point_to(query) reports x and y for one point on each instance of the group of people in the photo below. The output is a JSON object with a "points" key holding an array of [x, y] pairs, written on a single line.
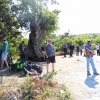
{"points": [[88, 52], [71, 48], [50, 54], [5, 50]]}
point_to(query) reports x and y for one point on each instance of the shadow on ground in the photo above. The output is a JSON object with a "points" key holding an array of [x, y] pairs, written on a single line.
{"points": [[5, 71], [91, 82]]}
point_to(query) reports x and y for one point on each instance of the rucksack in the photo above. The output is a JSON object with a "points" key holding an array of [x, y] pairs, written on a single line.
{"points": [[42, 59], [30, 65], [38, 68], [16, 67]]}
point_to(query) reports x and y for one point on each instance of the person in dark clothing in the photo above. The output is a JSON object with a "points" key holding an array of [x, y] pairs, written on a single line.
{"points": [[43, 49], [65, 49], [71, 47], [81, 51], [97, 49], [22, 49], [77, 50]]}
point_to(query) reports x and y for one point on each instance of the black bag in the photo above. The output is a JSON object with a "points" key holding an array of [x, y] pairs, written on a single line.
{"points": [[42, 59], [30, 65], [13, 67], [16, 67], [38, 68]]}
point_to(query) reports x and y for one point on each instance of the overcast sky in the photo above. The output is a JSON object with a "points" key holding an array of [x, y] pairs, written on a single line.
{"points": [[80, 16]]}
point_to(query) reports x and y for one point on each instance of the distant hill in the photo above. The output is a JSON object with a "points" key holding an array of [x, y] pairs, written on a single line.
{"points": [[88, 34]]}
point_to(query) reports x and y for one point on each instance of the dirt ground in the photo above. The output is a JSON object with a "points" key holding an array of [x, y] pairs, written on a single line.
{"points": [[70, 71]]}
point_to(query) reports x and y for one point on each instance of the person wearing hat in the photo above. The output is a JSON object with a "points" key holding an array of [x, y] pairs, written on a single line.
{"points": [[89, 57], [4, 53]]}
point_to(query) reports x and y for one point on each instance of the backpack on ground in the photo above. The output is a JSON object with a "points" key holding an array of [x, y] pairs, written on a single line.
{"points": [[30, 65], [18, 66], [42, 59]]}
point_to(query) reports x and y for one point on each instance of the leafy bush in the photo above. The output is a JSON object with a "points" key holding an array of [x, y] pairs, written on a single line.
{"points": [[59, 40]]}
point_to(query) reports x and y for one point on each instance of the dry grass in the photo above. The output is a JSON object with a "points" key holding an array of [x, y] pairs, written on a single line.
{"points": [[44, 89], [59, 53]]}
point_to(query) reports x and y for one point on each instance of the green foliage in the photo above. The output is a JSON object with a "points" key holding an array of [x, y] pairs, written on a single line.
{"points": [[58, 41], [9, 27], [14, 44], [49, 75], [26, 90], [8, 23], [36, 11], [18, 14], [64, 94]]}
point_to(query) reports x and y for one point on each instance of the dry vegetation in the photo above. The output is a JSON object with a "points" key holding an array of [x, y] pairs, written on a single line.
{"points": [[34, 88]]}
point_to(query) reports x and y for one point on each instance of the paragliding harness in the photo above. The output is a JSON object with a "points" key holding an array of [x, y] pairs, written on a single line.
{"points": [[88, 52], [30, 65], [16, 67]]}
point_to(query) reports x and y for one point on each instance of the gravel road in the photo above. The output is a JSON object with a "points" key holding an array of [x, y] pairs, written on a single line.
{"points": [[72, 73]]}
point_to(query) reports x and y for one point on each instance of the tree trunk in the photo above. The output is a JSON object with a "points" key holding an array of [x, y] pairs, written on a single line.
{"points": [[33, 49]]}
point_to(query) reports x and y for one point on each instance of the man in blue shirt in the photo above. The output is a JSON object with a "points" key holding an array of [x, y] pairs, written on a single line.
{"points": [[4, 53], [50, 54], [65, 49], [89, 58]]}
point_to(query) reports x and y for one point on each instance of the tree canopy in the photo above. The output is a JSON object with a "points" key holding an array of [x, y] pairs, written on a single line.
{"points": [[32, 12], [60, 40], [8, 23]]}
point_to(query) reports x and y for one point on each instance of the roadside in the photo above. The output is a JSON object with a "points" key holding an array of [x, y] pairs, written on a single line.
{"points": [[70, 71]]}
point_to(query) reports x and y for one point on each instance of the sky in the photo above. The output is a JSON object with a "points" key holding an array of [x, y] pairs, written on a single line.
{"points": [[78, 16]]}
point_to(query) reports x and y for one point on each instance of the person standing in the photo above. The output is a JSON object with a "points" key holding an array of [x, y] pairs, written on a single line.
{"points": [[50, 54], [97, 49], [4, 53], [22, 49], [89, 58], [71, 47], [65, 49], [81, 51], [77, 50], [84, 48]]}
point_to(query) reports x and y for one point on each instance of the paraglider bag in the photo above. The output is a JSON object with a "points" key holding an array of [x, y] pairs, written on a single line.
{"points": [[88, 52], [36, 67], [15, 67]]}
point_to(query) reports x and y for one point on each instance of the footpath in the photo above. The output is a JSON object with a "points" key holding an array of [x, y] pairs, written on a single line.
{"points": [[72, 73]]}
